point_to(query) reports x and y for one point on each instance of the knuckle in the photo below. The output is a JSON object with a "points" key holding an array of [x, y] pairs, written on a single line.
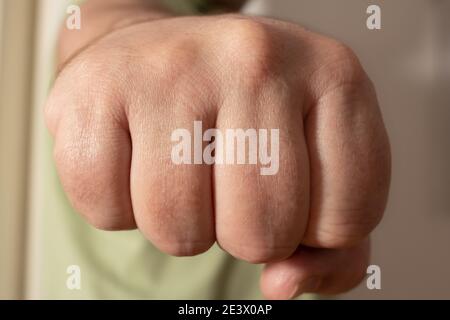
{"points": [[346, 58], [86, 82], [249, 49], [91, 77], [243, 32], [180, 68], [339, 66]]}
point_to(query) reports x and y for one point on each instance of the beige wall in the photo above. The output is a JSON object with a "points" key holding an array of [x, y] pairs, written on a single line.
{"points": [[28, 30], [409, 62], [49, 15], [17, 21]]}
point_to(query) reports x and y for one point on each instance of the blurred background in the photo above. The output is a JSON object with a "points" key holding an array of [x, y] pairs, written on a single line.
{"points": [[408, 60]]}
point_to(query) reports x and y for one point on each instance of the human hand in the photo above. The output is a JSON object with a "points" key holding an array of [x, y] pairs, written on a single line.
{"points": [[115, 105]]}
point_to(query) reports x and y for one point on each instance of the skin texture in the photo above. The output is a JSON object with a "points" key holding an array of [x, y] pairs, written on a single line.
{"points": [[117, 100]]}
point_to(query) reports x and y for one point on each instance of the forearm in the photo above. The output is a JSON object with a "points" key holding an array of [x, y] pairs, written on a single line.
{"points": [[99, 17]]}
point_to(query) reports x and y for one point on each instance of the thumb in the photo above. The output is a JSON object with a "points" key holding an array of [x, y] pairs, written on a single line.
{"points": [[312, 270]]}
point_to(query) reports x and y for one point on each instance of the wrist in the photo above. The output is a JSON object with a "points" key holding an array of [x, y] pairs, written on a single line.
{"points": [[100, 18]]}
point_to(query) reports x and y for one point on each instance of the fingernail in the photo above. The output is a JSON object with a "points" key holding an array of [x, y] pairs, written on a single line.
{"points": [[306, 286]]}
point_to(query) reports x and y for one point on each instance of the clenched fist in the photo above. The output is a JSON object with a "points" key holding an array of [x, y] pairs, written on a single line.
{"points": [[116, 103]]}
